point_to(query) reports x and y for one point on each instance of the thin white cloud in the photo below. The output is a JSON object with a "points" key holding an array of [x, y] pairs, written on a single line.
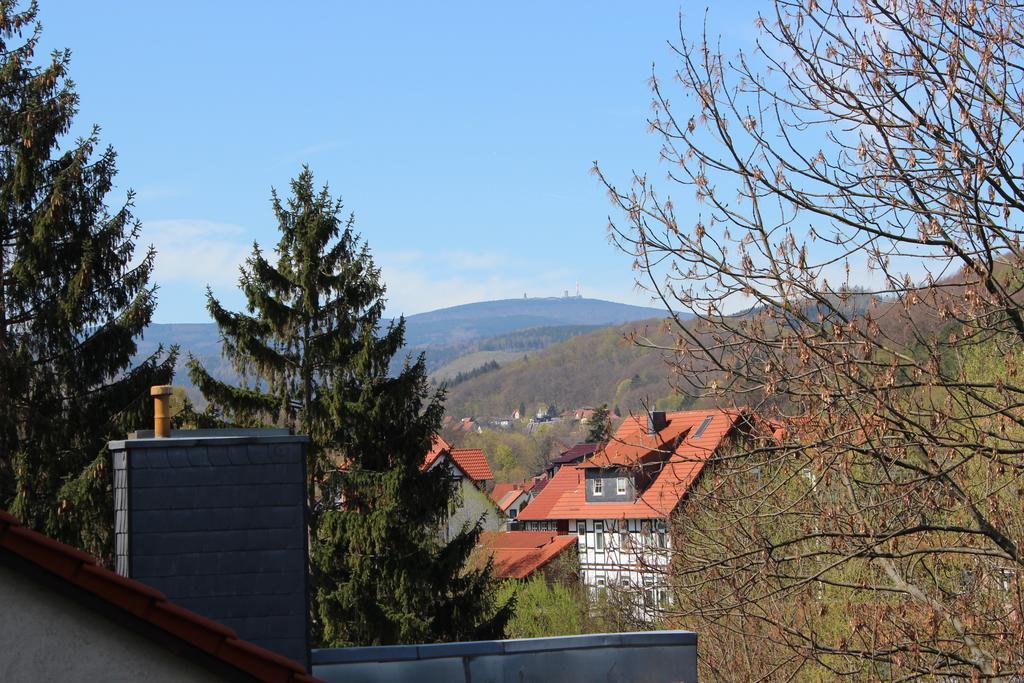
{"points": [[196, 251]]}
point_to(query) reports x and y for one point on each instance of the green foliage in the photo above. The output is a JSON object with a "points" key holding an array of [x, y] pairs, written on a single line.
{"points": [[615, 609], [534, 338], [446, 353], [673, 402], [73, 300], [475, 372], [513, 456], [317, 354], [600, 425], [506, 467], [542, 609]]}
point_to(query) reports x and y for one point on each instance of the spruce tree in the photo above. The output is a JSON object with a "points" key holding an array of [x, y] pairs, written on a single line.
{"points": [[600, 425], [315, 349], [72, 302]]}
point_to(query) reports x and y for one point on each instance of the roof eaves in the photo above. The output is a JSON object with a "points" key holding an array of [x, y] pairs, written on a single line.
{"points": [[72, 566]]}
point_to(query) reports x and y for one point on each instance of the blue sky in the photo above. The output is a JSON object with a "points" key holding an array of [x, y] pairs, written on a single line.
{"points": [[461, 134]]}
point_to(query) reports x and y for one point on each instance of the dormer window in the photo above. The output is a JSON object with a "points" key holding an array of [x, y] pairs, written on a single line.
{"points": [[599, 487]]}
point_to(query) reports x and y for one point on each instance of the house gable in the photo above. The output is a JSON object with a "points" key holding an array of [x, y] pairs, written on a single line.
{"points": [[669, 457]]}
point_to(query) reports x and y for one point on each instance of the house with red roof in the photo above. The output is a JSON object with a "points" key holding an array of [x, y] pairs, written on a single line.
{"points": [[511, 498], [572, 456], [474, 478], [521, 554], [618, 502]]}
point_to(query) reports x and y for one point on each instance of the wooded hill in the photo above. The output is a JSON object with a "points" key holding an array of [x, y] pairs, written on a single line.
{"points": [[586, 370], [607, 366]]}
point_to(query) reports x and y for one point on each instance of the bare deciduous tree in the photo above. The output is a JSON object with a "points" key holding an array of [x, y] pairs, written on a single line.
{"points": [[854, 272]]}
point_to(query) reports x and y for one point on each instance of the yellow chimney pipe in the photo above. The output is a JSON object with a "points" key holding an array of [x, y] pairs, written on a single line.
{"points": [[161, 410]]}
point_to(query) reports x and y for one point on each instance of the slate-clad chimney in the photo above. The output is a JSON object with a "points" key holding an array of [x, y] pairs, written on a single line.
{"points": [[216, 520], [656, 422]]}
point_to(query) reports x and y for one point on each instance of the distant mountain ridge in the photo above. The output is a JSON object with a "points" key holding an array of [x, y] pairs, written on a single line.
{"points": [[442, 335], [467, 322]]}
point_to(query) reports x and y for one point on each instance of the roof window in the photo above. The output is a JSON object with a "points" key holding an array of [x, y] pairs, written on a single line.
{"points": [[703, 426]]}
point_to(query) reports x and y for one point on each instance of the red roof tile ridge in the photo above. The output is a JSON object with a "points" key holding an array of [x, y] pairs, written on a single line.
{"points": [[565, 497], [472, 461], [506, 501], [438, 447], [500, 490], [517, 561], [83, 571]]}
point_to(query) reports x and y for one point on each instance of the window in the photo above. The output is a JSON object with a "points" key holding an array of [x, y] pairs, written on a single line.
{"points": [[581, 529], [703, 426], [624, 534], [599, 580], [513, 513], [662, 535], [650, 593], [620, 486], [599, 536], [599, 487]]}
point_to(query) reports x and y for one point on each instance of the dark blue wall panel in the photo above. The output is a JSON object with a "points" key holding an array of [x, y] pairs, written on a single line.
{"points": [[218, 524]]}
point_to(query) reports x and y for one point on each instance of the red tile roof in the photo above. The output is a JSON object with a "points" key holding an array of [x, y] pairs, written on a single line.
{"points": [[510, 498], [502, 489], [632, 444], [517, 554], [576, 453], [141, 601], [565, 497], [509, 491], [437, 447], [473, 462]]}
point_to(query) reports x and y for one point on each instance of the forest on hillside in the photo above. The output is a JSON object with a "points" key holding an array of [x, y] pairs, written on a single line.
{"points": [[604, 366]]}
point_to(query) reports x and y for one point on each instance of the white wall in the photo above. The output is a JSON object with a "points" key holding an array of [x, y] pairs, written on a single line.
{"points": [[472, 503], [634, 557], [46, 636]]}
